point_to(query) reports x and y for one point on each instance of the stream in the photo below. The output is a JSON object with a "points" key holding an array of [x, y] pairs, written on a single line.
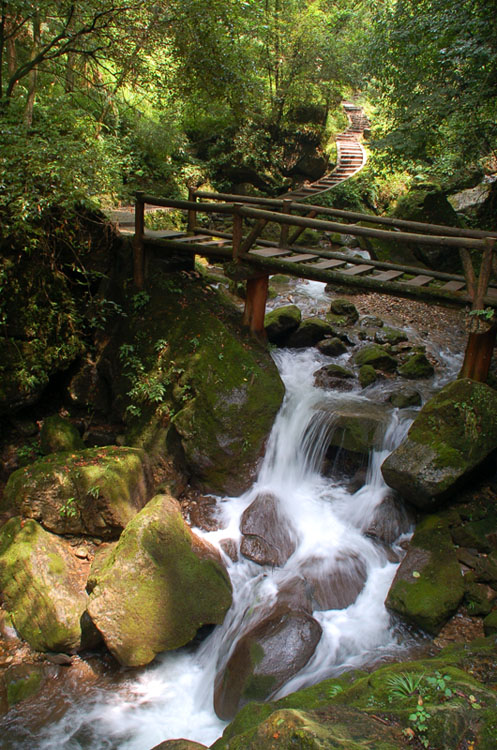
{"points": [[173, 697]]}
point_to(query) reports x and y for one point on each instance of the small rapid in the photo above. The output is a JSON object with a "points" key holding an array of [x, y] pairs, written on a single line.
{"points": [[330, 526]]}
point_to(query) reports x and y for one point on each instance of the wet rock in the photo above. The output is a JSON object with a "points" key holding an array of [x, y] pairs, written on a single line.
{"points": [[204, 513], [490, 623], [335, 584], [58, 434], [428, 586], [309, 333], [479, 599], [416, 367], [42, 589], [95, 491], [376, 356], [334, 377], [452, 434], [405, 397], [332, 347], [391, 336], [230, 548], [367, 375], [160, 584], [370, 321], [22, 681], [354, 427], [264, 659], [391, 519], [268, 536], [281, 322]]}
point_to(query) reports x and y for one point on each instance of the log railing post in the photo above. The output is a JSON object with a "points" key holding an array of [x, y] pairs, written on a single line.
{"points": [[192, 214], [481, 343], [237, 231], [138, 242], [284, 228]]}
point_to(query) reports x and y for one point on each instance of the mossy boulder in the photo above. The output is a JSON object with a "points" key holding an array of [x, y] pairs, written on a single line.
{"points": [[376, 356], [309, 332], [334, 377], [268, 538], [355, 427], [158, 586], [452, 434], [367, 375], [490, 623], [180, 745], [281, 322], [96, 491], [428, 586], [42, 589], [58, 434], [416, 366], [192, 384], [388, 335], [403, 398], [343, 312], [332, 347]]}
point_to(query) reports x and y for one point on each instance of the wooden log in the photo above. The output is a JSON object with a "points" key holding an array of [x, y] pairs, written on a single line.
{"points": [[192, 214], [469, 273], [478, 355], [252, 237], [358, 231], [255, 306], [237, 231], [299, 230], [138, 245]]}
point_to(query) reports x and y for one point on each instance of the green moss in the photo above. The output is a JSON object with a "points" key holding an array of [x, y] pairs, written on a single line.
{"points": [[416, 366], [58, 434], [23, 688], [367, 375], [376, 356]]}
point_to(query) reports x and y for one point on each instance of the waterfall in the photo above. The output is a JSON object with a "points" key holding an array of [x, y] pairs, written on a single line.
{"points": [[174, 697]]}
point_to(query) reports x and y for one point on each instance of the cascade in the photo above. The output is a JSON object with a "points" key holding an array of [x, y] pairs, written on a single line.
{"points": [[327, 521]]}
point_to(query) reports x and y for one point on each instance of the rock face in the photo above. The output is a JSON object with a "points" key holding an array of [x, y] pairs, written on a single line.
{"points": [[280, 323], [451, 435], [428, 586], [158, 586], [58, 434], [335, 584], [42, 589], [264, 659], [268, 538], [96, 491], [192, 384]]}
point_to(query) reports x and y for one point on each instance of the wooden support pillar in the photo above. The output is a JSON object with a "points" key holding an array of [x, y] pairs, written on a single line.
{"points": [[255, 306], [138, 242], [285, 228], [237, 231], [192, 214], [481, 343]]}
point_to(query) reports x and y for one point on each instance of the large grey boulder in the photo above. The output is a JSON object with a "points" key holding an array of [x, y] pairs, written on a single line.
{"points": [[453, 433], [281, 322], [158, 586], [268, 537]]}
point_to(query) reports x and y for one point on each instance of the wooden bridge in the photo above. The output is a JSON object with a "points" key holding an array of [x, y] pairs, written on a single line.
{"points": [[247, 255]]}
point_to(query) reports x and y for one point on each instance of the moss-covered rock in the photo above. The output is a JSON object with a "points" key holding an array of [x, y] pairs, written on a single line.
{"points": [[453, 433], [391, 336], [376, 356], [58, 434], [179, 745], [344, 309], [403, 398], [367, 375], [416, 366], [309, 332], [42, 588], [490, 623], [191, 383], [96, 491], [355, 427], [281, 322], [22, 682], [332, 347], [428, 586], [158, 586], [334, 377]]}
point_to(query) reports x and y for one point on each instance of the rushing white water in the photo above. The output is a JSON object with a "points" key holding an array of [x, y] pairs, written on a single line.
{"points": [[174, 697]]}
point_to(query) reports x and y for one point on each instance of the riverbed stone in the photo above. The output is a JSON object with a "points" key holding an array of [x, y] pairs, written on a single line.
{"points": [[376, 356], [416, 367], [403, 398], [334, 377], [281, 322], [309, 333], [428, 586], [357, 427], [452, 434], [389, 335], [160, 584], [42, 588], [59, 434], [337, 583], [332, 347], [264, 659], [96, 491], [367, 375], [343, 312], [268, 536]]}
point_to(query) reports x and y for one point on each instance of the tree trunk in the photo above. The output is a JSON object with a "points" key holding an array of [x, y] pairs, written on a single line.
{"points": [[33, 74]]}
